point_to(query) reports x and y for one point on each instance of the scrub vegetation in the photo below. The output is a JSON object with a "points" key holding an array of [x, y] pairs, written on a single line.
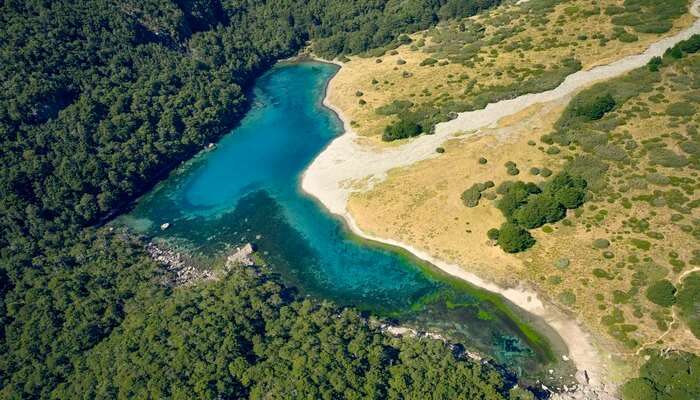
{"points": [[627, 260], [465, 64]]}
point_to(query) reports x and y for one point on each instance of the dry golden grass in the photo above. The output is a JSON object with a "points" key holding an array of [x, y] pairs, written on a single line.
{"points": [[421, 206], [428, 84]]}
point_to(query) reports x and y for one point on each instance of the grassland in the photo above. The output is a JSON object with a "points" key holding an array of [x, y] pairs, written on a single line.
{"points": [[609, 263], [514, 49]]}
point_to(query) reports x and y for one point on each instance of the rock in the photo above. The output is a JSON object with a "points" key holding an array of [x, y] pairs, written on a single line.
{"points": [[243, 255], [165, 226], [582, 377], [565, 358]]}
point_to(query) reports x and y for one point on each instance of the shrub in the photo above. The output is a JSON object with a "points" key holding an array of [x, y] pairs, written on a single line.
{"points": [[688, 301], [361, 102], [546, 172], [655, 63], [482, 160], [400, 130], [534, 171], [567, 298], [601, 243], [471, 196], [513, 198], [400, 61], [440, 150], [395, 107], [493, 234], [667, 158], [681, 109], [595, 108], [539, 210], [359, 94], [428, 61], [662, 293], [514, 239], [570, 197]]}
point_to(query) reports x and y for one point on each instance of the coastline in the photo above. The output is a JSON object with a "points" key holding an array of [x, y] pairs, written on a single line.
{"points": [[328, 180], [581, 346]]}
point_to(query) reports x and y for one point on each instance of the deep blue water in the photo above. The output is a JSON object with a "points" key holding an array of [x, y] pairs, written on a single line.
{"points": [[247, 190]]}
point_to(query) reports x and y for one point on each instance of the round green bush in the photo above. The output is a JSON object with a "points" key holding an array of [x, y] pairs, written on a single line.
{"points": [[482, 160], [440, 150], [493, 234], [534, 171], [359, 94], [545, 172]]}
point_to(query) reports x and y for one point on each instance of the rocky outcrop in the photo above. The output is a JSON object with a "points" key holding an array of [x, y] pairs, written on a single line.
{"points": [[182, 271]]}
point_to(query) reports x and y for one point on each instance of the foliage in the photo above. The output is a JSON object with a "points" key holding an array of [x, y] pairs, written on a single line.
{"points": [[688, 302], [662, 293], [530, 206], [274, 347], [102, 98], [400, 130], [471, 196], [594, 108], [539, 210], [666, 376], [513, 238]]}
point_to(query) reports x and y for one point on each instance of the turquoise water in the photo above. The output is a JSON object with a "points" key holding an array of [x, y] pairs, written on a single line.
{"points": [[247, 190]]}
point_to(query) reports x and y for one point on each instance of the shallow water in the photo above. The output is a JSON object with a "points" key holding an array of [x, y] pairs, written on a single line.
{"points": [[247, 190]]}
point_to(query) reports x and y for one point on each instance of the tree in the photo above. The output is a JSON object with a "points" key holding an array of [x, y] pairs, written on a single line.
{"points": [[662, 293], [539, 210], [401, 130], [513, 238]]}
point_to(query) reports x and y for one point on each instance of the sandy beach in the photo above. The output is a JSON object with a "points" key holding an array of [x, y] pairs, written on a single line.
{"points": [[346, 166]]}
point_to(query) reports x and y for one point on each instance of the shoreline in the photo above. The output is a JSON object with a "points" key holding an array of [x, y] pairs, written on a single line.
{"points": [[580, 344], [326, 180]]}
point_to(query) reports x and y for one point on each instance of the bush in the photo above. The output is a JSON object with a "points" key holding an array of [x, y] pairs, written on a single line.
{"points": [[570, 197], [400, 61], [681, 109], [596, 108], [662, 293], [667, 158], [400, 130], [471, 196], [545, 172], [359, 94], [482, 160], [601, 243], [539, 210], [655, 64], [567, 298], [440, 150], [688, 301], [514, 239], [513, 198], [428, 61], [493, 234]]}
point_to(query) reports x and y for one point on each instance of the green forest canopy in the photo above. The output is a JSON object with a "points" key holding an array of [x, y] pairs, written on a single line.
{"points": [[101, 98]]}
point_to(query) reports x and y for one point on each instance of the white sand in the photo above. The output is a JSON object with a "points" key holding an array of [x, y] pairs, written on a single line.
{"points": [[329, 178]]}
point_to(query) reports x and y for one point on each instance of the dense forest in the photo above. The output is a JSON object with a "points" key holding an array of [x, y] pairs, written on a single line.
{"points": [[101, 98]]}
